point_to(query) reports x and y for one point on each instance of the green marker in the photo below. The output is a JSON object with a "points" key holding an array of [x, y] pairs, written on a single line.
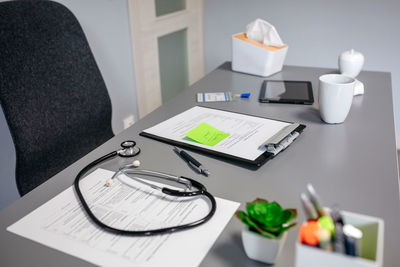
{"points": [[327, 223]]}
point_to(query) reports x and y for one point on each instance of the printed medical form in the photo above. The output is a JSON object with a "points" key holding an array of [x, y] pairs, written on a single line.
{"points": [[61, 224]]}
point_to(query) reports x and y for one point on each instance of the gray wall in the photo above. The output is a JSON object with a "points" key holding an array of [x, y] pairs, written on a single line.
{"points": [[316, 32], [106, 25]]}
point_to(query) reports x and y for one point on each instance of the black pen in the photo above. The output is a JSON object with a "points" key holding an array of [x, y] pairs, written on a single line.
{"points": [[192, 161]]}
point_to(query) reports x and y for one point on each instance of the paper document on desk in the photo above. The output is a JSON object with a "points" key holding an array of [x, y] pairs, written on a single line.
{"points": [[245, 134], [62, 224]]}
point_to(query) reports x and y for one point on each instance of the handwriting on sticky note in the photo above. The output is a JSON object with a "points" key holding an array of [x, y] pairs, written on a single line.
{"points": [[206, 134]]}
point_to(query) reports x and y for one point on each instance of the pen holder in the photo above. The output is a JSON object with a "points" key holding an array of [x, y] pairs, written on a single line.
{"points": [[371, 246], [251, 57]]}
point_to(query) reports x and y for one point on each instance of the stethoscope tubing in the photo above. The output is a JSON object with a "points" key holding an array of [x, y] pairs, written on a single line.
{"points": [[202, 191]]}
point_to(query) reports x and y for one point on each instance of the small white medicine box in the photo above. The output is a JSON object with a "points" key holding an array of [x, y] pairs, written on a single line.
{"points": [[251, 57], [371, 246]]}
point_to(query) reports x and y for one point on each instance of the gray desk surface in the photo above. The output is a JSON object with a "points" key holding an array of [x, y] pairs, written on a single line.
{"points": [[352, 164]]}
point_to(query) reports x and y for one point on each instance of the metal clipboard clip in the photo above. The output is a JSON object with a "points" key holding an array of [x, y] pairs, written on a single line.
{"points": [[282, 139]]}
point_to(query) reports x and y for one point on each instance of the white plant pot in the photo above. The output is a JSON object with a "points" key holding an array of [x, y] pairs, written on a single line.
{"points": [[261, 248]]}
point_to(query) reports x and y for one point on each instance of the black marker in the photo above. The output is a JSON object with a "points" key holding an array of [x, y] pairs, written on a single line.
{"points": [[192, 161], [339, 240]]}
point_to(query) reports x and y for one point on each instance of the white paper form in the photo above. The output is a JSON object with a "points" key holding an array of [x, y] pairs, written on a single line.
{"points": [[247, 133], [62, 224]]}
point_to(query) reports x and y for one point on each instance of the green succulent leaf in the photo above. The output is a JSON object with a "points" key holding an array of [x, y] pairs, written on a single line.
{"points": [[288, 215], [274, 214], [273, 229], [266, 234], [264, 213], [247, 221], [260, 200], [268, 219]]}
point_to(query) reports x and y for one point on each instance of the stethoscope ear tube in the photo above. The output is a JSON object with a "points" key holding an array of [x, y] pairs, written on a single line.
{"points": [[200, 192]]}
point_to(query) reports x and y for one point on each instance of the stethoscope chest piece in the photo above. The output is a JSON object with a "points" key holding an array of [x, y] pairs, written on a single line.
{"points": [[129, 149]]}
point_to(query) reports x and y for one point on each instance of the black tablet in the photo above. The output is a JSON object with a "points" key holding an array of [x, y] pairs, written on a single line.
{"points": [[292, 92]]}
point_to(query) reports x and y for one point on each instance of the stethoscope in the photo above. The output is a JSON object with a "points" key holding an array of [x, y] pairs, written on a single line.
{"points": [[129, 149]]}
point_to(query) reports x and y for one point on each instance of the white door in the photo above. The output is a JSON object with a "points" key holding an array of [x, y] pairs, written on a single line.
{"points": [[167, 48]]}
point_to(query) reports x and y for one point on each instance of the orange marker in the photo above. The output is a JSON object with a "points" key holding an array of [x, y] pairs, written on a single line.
{"points": [[309, 233]]}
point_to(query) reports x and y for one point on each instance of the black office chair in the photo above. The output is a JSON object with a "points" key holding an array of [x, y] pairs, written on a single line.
{"points": [[52, 93]]}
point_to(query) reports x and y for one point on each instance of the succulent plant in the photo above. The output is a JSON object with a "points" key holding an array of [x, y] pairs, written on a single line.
{"points": [[267, 219]]}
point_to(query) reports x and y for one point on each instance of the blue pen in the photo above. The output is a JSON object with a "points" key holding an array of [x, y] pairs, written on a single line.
{"points": [[244, 95]]}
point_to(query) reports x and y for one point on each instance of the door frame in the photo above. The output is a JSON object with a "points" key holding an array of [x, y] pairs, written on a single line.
{"points": [[146, 28]]}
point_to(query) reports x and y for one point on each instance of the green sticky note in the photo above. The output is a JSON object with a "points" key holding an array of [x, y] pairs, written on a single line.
{"points": [[206, 134]]}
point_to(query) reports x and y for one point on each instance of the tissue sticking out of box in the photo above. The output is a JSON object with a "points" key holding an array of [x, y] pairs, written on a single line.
{"points": [[263, 32]]}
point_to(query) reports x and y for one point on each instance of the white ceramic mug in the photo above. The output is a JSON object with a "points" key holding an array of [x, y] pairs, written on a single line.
{"points": [[335, 97]]}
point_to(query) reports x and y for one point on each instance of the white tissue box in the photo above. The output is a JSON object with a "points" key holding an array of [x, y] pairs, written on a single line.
{"points": [[251, 57], [371, 246]]}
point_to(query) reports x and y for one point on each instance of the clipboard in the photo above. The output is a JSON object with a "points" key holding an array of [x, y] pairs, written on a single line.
{"points": [[250, 146]]}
